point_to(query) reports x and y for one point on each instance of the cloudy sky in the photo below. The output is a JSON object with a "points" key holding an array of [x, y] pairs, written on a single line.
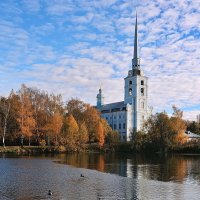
{"points": [[71, 47]]}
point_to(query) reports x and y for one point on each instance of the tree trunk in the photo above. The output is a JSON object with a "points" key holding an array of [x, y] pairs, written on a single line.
{"points": [[4, 129]]}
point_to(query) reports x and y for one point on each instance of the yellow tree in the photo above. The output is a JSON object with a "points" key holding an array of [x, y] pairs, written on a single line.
{"points": [[91, 119], [83, 134], [55, 125], [100, 135], [71, 133], [25, 112], [178, 125]]}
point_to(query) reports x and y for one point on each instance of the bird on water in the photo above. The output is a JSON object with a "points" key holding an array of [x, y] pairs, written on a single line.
{"points": [[81, 175], [50, 193]]}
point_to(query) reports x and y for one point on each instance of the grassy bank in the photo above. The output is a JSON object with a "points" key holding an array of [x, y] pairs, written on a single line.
{"points": [[31, 149], [49, 149], [119, 148]]}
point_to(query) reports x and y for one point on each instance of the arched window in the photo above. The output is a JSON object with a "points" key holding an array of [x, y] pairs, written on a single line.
{"points": [[130, 91], [142, 91], [130, 82], [142, 82]]}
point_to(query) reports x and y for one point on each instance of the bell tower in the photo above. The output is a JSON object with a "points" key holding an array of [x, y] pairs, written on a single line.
{"points": [[135, 91], [100, 99]]}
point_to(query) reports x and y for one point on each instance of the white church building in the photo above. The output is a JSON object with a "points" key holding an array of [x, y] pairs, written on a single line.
{"points": [[128, 115]]}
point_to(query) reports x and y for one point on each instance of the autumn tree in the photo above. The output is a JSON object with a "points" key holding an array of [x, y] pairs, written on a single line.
{"points": [[76, 108], [53, 108], [55, 125], [112, 137], [178, 126], [5, 106], [100, 135], [159, 130], [71, 133], [83, 134], [91, 119], [26, 120]]}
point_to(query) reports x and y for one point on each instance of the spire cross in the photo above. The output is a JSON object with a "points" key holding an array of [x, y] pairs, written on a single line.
{"points": [[135, 61]]}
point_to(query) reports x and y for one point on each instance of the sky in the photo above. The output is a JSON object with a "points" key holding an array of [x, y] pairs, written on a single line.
{"points": [[72, 47]]}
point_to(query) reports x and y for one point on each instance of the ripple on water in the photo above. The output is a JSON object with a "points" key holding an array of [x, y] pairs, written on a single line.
{"points": [[31, 179]]}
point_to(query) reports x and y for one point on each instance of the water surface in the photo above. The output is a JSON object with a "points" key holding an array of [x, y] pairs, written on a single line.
{"points": [[112, 177]]}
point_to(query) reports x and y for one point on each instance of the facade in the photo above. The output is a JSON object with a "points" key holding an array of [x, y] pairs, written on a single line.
{"points": [[128, 115]]}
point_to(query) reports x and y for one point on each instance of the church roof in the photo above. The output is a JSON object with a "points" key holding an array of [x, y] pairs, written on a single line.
{"points": [[111, 106]]}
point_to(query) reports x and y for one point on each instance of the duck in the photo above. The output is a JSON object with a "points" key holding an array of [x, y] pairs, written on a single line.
{"points": [[82, 175], [50, 193]]}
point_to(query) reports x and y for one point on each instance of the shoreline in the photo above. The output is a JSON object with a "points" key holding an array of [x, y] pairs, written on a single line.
{"points": [[19, 150]]}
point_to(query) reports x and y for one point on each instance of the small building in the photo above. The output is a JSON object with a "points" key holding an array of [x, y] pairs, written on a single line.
{"points": [[192, 136]]}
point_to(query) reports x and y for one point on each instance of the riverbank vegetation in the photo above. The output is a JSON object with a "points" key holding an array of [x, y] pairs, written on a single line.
{"points": [[35, 118], [163, 133]]}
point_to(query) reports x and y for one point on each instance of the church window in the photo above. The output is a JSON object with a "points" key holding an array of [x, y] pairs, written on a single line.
{"points": [[119, 116], [130, 82], [124, 125], [142, 82], [142, 91], [119, 126], [114, 126], [130, 91]]}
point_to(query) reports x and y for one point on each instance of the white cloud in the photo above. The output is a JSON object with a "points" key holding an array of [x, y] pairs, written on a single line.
{"points": [[83, 44]]}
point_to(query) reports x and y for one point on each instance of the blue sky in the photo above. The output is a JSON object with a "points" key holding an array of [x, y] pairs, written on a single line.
{"points": [[71, 47]]}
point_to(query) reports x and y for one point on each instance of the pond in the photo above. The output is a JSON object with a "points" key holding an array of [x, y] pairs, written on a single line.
{"points": [[110, 176]]}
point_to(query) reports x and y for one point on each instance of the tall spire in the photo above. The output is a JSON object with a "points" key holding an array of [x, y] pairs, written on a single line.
{"points": [[135, 61], [136, 40]]}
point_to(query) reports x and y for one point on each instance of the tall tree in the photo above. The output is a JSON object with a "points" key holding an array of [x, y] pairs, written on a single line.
{"points": [[26, 120], [83, 134], [178, 126], [100, 135], [91, 119], [71, 133], [5, 105]]}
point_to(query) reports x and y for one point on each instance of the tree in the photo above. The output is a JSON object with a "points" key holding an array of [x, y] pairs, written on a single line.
{"points": [[76, 108], [5, 105], [55, 125], [193, 126], [100, 135], [91, 119], [178, 126], [83, 134], [159, 130], [112, 137], [71, 133], [25, 119]]}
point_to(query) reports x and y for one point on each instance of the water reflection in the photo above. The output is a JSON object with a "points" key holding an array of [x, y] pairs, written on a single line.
{"points": [[29, 177], [176, 168]]}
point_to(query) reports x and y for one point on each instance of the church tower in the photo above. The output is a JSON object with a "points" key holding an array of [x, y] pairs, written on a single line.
{"points": [[135, 92], [100, 99]]}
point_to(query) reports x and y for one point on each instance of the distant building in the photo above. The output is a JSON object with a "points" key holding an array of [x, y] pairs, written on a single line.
{"points": [[192, 136], [198, 118], [128, 115]]}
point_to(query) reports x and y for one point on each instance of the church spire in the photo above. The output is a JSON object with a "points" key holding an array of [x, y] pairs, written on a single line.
{"points": [[136, 61]]}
